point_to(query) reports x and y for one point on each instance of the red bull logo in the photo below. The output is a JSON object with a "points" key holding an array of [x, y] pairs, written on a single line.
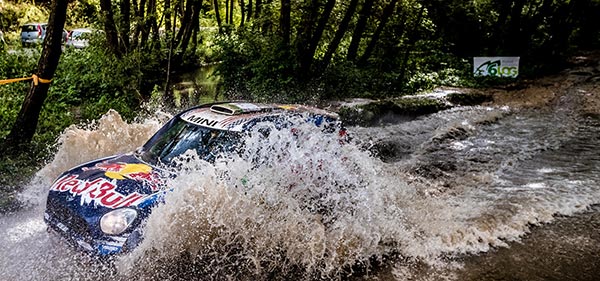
{"points": [[99, 192], [136, 171]]}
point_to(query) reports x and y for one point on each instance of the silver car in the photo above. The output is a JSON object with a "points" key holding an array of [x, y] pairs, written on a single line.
{"points": [[79, 38], [33, 33]]}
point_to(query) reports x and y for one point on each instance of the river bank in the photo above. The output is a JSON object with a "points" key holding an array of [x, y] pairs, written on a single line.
{"points": [[566, 247]]}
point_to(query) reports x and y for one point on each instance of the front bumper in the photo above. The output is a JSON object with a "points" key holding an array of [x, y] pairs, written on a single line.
{"points": [[76, 234]]}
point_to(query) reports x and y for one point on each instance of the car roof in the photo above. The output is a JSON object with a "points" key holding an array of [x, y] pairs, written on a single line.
{"points": [[82, 30], [235, 116]]}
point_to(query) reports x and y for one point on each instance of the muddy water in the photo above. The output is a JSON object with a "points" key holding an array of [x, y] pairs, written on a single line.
{"points": [[470, 193]]}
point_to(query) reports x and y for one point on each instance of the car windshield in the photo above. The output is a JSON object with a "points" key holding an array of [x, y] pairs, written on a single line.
{"points": [[180, 136], [28, 28], [80, 35]]}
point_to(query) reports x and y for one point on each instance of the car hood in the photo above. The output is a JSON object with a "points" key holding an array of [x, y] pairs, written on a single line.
{"points": [[111, 183]]}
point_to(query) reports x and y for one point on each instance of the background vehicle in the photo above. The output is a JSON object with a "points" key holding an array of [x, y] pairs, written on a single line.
{"points": [[34, 33], [99, 206], [79, 38]]}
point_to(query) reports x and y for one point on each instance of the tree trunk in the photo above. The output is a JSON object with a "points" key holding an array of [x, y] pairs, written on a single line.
{"points": [[514, 35], [339, 34], [153, 23], [185, 20], [226, 11], [231, 8], [412, 38], [110, 29], [125, 24], [243, 12], [257, 9], [134, 36], [285, 22], [387, 13], [149, 20], [167, 98], [217, 15], [365, 13], [167, 13], [139, 25], [24, 127], [305, 32], [266, 21], [189, 27], [316, 37], [249, 10], [195, 35]]}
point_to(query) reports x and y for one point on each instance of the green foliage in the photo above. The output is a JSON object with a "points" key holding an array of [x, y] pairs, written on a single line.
{"points": [[13, 15], [16, 65], [251, 74], [94, 80], [82, 13]]}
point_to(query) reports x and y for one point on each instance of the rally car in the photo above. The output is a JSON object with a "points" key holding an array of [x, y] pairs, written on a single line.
{"points": [[99, 206]]}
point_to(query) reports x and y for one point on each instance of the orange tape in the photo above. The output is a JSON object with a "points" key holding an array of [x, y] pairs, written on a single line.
{"points": [[36, 80]]}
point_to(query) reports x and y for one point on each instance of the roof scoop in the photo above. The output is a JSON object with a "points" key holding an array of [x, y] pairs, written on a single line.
{"points": [[238, 108], [225, 109]]}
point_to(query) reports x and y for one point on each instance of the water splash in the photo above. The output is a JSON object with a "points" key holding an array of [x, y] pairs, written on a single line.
{"points": [[104, 137], [31, 253], [292, 201], [468, 180]]}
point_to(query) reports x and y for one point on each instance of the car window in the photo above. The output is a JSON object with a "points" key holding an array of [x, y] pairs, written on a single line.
{"points": [[182, 136], [28, 28], [80, 35]]}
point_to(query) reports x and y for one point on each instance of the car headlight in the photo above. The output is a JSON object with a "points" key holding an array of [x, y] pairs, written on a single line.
{"points": [[115, 222]]}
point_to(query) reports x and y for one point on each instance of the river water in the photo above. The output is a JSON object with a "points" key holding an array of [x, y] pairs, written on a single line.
{"points": [[470, 193]]}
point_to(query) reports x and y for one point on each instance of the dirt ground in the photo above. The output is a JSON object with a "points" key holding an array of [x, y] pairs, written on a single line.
{"points": [[582, 80], [568, 248]]}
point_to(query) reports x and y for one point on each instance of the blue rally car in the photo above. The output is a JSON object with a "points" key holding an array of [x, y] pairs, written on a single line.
{"points": [[99, 206]]}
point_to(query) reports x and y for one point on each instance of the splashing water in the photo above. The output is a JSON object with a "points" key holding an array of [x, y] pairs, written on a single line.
{"points": [[29, 252], [289, 200], [304, 205]]}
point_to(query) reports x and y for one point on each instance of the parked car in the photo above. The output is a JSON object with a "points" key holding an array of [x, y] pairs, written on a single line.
{"points": [[79, 38], [99, 206], [34, 33]]}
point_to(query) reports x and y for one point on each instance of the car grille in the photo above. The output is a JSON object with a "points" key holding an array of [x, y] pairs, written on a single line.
{"points": [[69, 218]]}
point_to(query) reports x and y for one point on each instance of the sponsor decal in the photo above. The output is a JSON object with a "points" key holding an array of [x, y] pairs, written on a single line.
{"points": [[204, 118], [496, 66], [137, 171], [202, 121], [98, 192], [287, 107]]}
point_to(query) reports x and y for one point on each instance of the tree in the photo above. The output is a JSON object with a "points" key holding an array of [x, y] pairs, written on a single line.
{"points": [[339, 34], [24, 127], [110, 28], [316, 37], [387, 12], [285, 22], [305, 31], [217, 15], [361, 25], [125, 22]]}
